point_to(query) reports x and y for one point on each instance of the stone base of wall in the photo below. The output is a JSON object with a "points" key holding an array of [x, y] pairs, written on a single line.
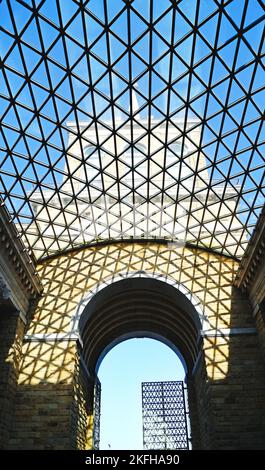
{"points": [[42, 417], [11, 333]]}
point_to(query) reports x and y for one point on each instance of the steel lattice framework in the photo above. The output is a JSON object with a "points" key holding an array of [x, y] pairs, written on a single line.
{"points": [[164, 416], [96, 414], [132, 119]]}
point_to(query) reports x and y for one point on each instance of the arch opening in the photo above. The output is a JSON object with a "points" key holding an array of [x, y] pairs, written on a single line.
{"points": [[121, 373], [138, 308]]}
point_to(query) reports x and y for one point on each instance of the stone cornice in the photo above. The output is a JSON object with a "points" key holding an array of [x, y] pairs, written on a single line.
{"points": [[253, 259], [14, 257]]}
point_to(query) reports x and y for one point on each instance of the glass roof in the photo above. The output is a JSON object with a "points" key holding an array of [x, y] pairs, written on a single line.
{"points": [[132, 120]]}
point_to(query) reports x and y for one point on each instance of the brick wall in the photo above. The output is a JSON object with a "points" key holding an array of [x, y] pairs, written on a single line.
{"points": [[44, 399], [11, 334], [226, 390]]}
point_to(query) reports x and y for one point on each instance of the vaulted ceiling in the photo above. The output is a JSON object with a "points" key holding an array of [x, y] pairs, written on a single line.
{"points": [[132, 119]]}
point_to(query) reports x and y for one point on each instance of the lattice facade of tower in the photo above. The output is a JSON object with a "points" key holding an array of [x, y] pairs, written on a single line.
{"points": [[164, 416]]}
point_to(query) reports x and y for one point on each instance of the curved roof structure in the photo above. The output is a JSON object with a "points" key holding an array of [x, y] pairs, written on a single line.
{"points": [[132, 119]]}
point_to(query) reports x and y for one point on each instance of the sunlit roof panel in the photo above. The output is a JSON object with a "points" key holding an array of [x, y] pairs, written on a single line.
{"points": [[132, 119]]}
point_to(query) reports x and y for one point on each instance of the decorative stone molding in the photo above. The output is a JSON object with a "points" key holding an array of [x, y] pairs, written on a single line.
{"points": [[19, 281], [17, 253], [253, 260]]}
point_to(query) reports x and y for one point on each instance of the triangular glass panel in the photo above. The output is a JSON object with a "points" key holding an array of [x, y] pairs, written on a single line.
{"points": [[213, 105], [215, 123], [244, 55], [56, 139], [208, 135], [255, 11], [103, 86], [162, 67], [67, 9], [40, 76], [14, 60], [6, 42], [75, 29], [235, 11], [119, 27], [64, 90], [6, 15], [182, 27], [47, 127], [100, 104], [49, 10], [208, 29], [57, 52], [198, 105], [245, 77], [178, 68], [25, 116], [73, 51], [252, 132], [4, 91], [226, 31], [40, 95], [10, 118], [21, 16], [165, 25], [219, 72], [143, 8], [201, 50], [56, 73], [230, 140], [122, 67], [93, 29], [31, 35], [114, 8], [227, 53], [175, 102], [142, 47], [259, 78], [184, 49], [97, 8], [203, 70], [139, 27], [189, 10], [161, 102], [49, 111], [243, 142], [206, 9], [81, 69], [80, 89], [118, 85], [221, 90], [259, 98], [229, 124], [235, 92], [237, 110], [159, 47], [100, 49], [196, 87], [85, 105], [138, 67], [254, 37], [34, 128]]}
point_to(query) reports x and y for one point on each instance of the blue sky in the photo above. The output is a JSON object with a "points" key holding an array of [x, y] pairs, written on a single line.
{"points": [[121, 373]]}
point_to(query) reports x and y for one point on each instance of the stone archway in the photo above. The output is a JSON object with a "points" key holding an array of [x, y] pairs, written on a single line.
{"points": [[141, 307]]}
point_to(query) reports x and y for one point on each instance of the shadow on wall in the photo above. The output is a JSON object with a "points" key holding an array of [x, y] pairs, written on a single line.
{"points": [[11, 327], [51, 409]]}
